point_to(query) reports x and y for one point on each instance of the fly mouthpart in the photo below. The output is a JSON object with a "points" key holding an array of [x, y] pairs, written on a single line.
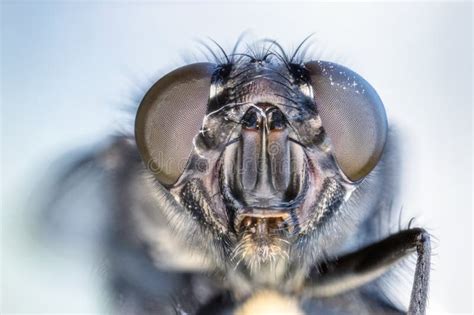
{"points": [[263, 222]]}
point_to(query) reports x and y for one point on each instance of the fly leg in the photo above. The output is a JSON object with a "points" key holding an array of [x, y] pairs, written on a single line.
{"points": [[365, 265]]}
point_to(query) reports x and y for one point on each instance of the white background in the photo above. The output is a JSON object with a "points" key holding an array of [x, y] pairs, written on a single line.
{"points": [[68, 68]]}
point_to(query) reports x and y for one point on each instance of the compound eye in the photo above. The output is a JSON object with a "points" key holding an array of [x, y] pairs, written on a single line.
{"points": [[170, 116], [353, 116]]}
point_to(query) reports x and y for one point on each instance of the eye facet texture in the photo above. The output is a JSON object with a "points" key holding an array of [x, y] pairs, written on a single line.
{"points": [[352, 114], [169, 116]]}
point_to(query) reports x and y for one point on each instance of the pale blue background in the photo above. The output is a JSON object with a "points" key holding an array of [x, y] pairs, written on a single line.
{"points": [[68, 69]]}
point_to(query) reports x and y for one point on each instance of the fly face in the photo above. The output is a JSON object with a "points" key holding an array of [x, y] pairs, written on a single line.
{"points": [[261, 152]]}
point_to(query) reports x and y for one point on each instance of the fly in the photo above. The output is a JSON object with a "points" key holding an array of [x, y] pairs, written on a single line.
{"points": [[250, 183]]}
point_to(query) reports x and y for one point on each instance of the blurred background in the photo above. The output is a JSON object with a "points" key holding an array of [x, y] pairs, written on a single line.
{"points": [[68, 69]]}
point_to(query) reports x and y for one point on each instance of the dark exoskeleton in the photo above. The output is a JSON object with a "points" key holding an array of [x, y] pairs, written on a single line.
{"points": [[256, 177]]}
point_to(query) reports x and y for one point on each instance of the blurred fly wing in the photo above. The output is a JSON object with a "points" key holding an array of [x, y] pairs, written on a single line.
{"points": [[89, 195], [74, 197]]}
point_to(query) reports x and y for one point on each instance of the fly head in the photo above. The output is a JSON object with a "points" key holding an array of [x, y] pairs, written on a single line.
{"points": [[261, 152]]}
